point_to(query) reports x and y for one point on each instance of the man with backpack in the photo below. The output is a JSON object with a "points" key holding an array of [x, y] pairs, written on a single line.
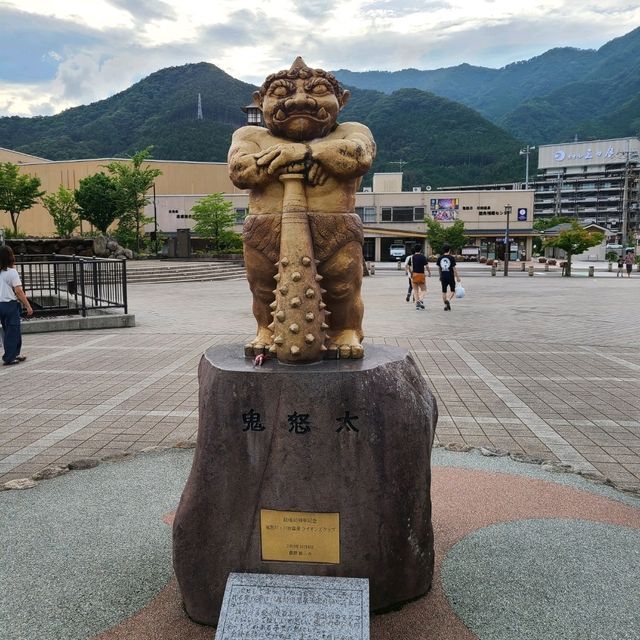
{"points": [[417, 264]]}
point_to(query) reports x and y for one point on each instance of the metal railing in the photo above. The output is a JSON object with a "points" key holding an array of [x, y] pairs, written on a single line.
{"points": [[65, 285]]}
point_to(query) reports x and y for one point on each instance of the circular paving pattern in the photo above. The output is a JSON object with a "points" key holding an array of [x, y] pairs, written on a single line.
{"points": [[546, 578], [520, 553]]}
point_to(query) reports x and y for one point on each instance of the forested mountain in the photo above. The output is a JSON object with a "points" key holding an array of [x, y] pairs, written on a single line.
{"points": [[159, 110], [441, 142], [549, 98]]}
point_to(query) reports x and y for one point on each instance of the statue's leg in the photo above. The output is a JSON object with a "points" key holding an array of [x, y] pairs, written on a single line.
{"points": [[260, 273], [342, 279]]}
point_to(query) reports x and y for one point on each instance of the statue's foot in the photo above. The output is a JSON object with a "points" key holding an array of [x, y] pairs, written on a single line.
{"points": [[344, 345], [260, 344]]}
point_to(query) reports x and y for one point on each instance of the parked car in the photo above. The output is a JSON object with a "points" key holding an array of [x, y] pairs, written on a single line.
{"points": [[397, 252]]}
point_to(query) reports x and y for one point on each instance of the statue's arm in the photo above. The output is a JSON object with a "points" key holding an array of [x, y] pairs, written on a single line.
{"points": [[244, 152], [349, 156]]}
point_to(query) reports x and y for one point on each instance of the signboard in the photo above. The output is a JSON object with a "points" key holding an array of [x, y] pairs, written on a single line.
{"points": [[444, 209], [522, 214], [300, 536], [594, 152], [258, 606]]}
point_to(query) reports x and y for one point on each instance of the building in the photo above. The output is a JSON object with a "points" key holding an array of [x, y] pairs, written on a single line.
{"points": [[596, 181], [177, 177], [596, 253], [390, 215]]}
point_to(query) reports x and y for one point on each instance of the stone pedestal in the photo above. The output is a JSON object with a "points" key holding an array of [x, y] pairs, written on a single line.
{"points": [[346, 437]]}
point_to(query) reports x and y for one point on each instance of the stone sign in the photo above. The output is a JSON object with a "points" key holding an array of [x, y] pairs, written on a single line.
{"points": [[276, 607], [320, 470]]}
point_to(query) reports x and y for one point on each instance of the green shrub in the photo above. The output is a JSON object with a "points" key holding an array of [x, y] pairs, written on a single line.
{"points": [[10, 234]]}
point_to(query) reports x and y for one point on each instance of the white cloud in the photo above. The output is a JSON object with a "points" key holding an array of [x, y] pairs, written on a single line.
{"points": [[97, 14], [96, 48]]}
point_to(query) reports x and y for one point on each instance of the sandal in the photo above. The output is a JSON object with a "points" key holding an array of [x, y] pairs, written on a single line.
{"points": [[6, 364], [21, 358]]}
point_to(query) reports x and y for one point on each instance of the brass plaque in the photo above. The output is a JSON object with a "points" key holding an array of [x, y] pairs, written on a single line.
{"points": [[300, 536]]}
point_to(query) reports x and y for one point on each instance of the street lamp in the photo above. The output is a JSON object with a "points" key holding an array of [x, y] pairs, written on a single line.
{"points": [[155, 222], [525, 152], [507, 242]]}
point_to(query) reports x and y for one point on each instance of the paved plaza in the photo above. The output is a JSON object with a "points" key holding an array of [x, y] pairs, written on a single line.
{"points": [[542, 366], [546, 366]]}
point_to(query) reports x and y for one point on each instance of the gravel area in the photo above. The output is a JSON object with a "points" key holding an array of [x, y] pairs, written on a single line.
{"points": [[89, 554], [88, 549], [547, 578]]}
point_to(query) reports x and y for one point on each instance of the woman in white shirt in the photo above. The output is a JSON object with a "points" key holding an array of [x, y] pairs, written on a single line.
{"points": [[10, 292]]}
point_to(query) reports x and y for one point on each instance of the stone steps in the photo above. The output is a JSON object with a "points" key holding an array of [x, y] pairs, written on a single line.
{"points": [[197, 272]]}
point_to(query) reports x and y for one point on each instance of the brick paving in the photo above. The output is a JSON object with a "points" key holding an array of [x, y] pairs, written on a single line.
{"points": [[545, 366]]}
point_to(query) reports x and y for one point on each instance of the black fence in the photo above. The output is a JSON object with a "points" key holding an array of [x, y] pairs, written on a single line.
{"points": [[66, 285]]}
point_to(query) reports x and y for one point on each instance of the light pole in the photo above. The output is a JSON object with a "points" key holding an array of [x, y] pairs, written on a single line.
{"points": [[155, 222], [507, 242], [525, 152]]}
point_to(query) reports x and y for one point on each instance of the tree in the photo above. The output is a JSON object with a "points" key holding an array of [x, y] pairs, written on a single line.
{"points": [[98, 200], [438, 235], [133, 181], [63, 209], [574, 241], [214, 215], [18, 191]]}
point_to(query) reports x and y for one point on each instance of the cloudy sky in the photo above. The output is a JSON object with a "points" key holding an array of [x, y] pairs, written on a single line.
{"points": [[55, 54]]}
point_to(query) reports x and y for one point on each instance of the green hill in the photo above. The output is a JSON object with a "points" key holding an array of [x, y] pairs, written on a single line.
{"points": [[441, 141], [549, 98], [160, 110]]}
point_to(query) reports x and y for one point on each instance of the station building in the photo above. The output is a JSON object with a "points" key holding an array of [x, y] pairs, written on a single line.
{"points": [[389, 214], [596, 182]]}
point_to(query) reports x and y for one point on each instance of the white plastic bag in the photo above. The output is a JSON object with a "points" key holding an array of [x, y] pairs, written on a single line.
{"points": [[459, 291]]}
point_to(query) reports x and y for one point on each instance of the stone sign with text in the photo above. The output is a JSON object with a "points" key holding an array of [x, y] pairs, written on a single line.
{"points": [[273, 607]]}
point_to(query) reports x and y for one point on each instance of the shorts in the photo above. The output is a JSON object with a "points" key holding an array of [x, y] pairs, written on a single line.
{"points": [[418, 281], [448, 282]]}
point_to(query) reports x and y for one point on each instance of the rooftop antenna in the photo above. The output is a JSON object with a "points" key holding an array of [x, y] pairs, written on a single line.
{"points": [[199, 116]]}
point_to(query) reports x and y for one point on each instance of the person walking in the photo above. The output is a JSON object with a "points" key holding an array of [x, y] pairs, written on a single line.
{"points": [[448, 276], [419, 264], [619, 274], [407, 270], [11, 292], [629, 259]]}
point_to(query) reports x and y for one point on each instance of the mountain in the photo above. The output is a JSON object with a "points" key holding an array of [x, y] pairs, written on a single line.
{"points": [[160, 110], [441, 142], [603, 99], [549, 98]]}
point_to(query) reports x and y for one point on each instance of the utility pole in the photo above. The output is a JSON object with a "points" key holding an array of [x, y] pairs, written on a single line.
{"points": [[507, 241], [526, 152], [625, 203], [627, 192], [557, 210]]}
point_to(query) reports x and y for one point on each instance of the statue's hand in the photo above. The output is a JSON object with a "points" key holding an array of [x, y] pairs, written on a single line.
{"points": [[317, 174], [283, 158]]}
